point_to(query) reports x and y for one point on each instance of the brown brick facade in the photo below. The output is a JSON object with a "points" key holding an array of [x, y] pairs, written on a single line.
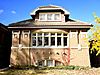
{"points": [[66, 39]]}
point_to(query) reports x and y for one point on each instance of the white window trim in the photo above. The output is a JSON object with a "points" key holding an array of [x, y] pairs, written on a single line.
{"points": [[49, 39], [49, 46], [53, 15], [62, 44], [36, 40], [42, 39], [56, 39], [44, 18], [45, 63]]}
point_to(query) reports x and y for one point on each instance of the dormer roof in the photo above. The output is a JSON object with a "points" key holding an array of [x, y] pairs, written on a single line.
{"points": [[49, 7]]}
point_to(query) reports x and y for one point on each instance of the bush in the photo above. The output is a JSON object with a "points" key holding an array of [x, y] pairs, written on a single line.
{"points": [[71, 67], [24, 67], [62, 67]]}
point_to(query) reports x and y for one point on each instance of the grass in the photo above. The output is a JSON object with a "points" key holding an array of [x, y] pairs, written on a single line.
{"points": [[18, 72], [33, 70], [25, 67]]}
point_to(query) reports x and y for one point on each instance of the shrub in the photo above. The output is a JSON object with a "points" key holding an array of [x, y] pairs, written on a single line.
{"points": [[71, 67]]}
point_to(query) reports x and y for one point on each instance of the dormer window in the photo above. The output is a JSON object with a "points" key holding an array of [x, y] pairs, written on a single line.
{"points": [[49, 17], [42, 17], [57, 17]]}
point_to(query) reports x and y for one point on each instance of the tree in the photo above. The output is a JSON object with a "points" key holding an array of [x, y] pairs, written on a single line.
{"points": [[95, 36]]}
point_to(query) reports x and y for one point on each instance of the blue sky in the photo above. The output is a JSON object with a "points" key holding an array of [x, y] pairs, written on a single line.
{"points": [[16, 10]]}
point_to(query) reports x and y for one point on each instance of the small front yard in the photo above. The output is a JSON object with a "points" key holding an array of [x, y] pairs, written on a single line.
{"points": [[53, 71]]}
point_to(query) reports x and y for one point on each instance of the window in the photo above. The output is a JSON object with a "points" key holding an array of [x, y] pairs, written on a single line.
{"points": [[49, 17], [41, 63], [46, 39], [57, 63], [34, 39], [57, 17], [39, 37], [42, 16], [49, 40], [50, 63], [65, 39], [52, 39], [39, 41], [58, 41], [46, 63]]}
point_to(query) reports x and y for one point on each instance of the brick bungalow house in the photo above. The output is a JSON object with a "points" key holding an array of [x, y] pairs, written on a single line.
{"points": [[50, 38]]}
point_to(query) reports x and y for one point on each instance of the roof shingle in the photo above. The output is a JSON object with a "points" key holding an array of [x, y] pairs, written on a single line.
{"points": [[33, 24]]}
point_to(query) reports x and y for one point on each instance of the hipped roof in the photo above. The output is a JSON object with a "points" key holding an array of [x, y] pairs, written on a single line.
{"points": [[30, 23]]}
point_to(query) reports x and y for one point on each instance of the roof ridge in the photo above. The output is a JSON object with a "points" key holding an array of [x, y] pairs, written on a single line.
{"points": [[50, 5], [53, 5]]}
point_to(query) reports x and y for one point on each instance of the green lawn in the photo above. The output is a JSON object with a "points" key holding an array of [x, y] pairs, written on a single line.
{"points": [[70, 70]]}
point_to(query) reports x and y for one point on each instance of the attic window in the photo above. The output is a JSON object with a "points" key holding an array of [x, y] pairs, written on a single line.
{"points": [[42, 16], [56, 16], [49, 16]]}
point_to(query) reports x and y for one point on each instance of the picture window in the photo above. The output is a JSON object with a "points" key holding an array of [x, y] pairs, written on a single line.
{"points": [[49, 39]]}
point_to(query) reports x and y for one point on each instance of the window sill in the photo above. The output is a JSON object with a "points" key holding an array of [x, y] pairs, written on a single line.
{"points": [[51, 47]]}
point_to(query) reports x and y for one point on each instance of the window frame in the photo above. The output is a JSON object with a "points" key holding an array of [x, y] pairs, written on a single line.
{"points": [[51, 64], [52, 17], [49, 40], [41, 16], [56, 16], [49, 17]]}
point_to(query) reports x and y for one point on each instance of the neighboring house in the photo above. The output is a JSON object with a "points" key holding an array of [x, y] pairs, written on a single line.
{"points": [[50, 38], [5, 46]]}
